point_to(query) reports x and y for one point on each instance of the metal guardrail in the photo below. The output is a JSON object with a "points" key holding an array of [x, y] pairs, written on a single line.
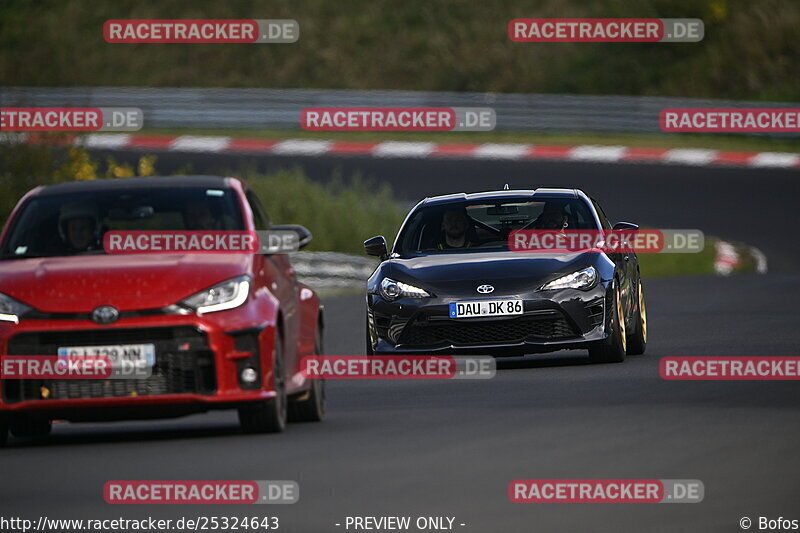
{"points": [[332, 270], [280, 108]]}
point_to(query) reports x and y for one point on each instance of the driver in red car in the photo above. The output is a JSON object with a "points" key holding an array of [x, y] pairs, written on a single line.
{"points": [[78, 226]]}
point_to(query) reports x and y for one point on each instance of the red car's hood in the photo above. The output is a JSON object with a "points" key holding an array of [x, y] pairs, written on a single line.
{"points": [[79, 284]]}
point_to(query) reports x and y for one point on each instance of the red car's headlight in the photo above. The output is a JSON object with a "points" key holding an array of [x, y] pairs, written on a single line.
{"points": [[221, 297], [10, 309]]}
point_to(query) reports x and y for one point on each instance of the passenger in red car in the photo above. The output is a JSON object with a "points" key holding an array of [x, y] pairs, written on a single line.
{"points": [[197, 216]]}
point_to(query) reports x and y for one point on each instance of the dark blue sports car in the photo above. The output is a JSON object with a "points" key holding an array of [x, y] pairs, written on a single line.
{"points": [[452, 285]]}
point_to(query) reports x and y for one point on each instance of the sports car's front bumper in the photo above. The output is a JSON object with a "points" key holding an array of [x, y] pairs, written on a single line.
{"points": [[551, 320]]}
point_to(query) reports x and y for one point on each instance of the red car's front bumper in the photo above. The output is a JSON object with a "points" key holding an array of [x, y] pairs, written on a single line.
{"points": [[198, 365]]}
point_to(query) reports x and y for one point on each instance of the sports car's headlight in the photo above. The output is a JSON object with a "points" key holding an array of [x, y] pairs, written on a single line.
{"points": [[227, 295], [392, 290], [582, 279], [10, 309]]}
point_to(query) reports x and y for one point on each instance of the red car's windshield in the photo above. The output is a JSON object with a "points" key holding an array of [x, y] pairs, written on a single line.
{"points": [[74, 223]]}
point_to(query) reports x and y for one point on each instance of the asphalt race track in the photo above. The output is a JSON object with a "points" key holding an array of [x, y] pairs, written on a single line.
{"points": [[432, 448]]}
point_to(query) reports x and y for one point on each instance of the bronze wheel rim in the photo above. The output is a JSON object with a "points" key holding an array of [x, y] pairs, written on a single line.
{"points": [[642, 313], [621, 322]]}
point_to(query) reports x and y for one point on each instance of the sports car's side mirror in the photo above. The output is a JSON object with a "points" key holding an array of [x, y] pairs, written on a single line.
{"points": [[377, 246], [303, 234], [625, 226]]}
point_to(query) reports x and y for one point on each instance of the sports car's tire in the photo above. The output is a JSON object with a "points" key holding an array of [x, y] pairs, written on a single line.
{"points": [[27, 426], [311, 408], [637, 341], [614, 351], [368, 342], [268, 416]]}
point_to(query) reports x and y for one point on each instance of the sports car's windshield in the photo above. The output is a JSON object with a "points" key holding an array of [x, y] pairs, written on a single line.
{"points": [[74, 223], [485, 225]]}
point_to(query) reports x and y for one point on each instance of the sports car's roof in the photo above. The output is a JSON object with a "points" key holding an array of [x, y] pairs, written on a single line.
{"points": [[499, 195]]}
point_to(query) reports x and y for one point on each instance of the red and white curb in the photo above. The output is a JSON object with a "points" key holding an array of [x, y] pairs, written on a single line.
{"points": [[403, 149], [728, 259]]}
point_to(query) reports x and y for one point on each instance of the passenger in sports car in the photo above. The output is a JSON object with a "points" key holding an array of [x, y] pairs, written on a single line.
{"points": [[553, 217]]}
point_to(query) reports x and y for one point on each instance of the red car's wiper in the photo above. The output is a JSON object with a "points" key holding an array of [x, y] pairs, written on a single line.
{"points": [[37, 256]]}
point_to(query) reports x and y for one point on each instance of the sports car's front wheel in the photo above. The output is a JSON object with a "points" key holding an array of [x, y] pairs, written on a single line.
{"points": [[637, 341], [368, 342], [268, 416], [614, 352]]}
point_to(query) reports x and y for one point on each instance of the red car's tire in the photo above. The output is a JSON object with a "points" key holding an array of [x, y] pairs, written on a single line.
{"points": [[311, 408], [3, 431], [30, 426], [268, 416]]}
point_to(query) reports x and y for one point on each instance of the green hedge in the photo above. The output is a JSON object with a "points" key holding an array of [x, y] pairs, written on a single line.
{"points": [[751, 48], [341, 214]]}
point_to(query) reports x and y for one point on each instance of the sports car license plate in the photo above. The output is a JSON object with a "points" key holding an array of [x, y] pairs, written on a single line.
{"points": [[141, 355], [485, 308]]}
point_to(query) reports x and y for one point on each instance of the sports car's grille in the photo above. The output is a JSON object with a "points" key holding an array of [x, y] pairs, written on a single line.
{"points": [[184, 364], [487, 332]]}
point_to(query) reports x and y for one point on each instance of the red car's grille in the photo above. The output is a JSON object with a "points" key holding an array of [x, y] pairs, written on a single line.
{"points": [[184, 364]]}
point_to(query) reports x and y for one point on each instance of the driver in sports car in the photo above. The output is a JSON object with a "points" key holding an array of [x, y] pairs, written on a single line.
{"points": [[455, 230]]}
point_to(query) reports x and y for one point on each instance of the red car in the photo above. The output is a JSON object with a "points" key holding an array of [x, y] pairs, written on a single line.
{"points": [[216, 331]]}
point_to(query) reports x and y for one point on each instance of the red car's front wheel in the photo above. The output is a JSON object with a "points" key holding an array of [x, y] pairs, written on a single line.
{"points": [[311, 408], [268, 416]]}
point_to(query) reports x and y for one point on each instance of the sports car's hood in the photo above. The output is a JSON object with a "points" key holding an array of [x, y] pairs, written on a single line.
{"points": [[509, 273], [79, 284]]}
